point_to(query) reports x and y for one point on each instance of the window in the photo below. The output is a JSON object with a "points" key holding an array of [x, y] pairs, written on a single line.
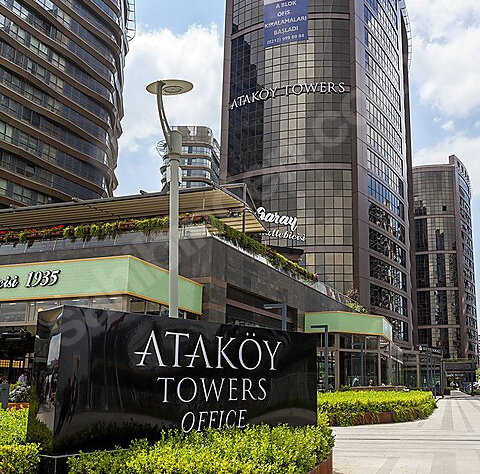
{"points": [[13, 312], [388, 299], [384, 196], [387, 273], [382, 244]]}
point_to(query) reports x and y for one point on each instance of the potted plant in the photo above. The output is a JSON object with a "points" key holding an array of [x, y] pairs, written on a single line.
{"points": [[19, 396]]}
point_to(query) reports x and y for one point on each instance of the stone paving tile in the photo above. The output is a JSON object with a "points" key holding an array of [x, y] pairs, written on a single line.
{"points": [[446, 443]]}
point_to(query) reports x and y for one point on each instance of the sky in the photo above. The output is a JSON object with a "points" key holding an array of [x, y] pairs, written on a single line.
{"points": [[184, 39]]}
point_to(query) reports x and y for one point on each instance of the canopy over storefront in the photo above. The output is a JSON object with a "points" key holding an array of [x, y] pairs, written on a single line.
{"points": [[349, 323], [106, 276]]}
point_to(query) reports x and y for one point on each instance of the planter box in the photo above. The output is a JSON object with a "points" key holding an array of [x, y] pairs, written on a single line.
{"points": [[18, 406], [326, 467], [369, 419]]}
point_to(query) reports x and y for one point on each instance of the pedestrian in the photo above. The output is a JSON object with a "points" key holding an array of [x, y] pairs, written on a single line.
{"points": [[22, 378]]}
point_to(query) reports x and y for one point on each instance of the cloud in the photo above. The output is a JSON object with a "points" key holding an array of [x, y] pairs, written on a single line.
{"points": [[446, 70], [196, 55], [459, 144], [449, 125]]}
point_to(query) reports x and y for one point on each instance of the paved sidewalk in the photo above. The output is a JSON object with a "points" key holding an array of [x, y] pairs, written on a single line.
{"points": [[446, 443]]}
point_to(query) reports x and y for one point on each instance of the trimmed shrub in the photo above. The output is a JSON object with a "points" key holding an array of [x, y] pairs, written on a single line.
{"points": [[350, 408], [254, 450], [15, 456], [13, 426], [19, 459]]}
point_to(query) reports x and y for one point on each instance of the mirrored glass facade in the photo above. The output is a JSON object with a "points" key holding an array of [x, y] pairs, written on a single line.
{"points": [[61, 98], [446, 301], [331, 148]]}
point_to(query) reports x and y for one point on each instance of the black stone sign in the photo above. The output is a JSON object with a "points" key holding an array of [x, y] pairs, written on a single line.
{"points": [[102, 378]]}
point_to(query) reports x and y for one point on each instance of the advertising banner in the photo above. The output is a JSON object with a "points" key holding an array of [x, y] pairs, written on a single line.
{"points": [[285, 21], [103, 378]]}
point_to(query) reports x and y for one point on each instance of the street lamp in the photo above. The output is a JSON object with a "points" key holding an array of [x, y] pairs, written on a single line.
{"points": [[173, 139], [283, 307]]}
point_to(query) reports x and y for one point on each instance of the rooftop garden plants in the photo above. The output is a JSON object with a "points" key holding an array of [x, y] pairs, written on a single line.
{"points": [[103, 230]]}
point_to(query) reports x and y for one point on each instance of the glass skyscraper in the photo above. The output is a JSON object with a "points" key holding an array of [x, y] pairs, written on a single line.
{"points": [[319, 130], [61, 82], [447, 314]]}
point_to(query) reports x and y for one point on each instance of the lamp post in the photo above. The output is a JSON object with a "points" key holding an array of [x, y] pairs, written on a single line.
{"points": [[173, 139], [283, 307]]}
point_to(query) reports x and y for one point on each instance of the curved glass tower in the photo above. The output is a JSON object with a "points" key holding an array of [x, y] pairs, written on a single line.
{"points": [[61, 82], [327, 146]]}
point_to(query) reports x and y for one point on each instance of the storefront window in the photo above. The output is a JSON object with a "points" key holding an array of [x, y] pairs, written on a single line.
{"points": [[384, 368], [114, 303], [350, 369], [371, 369], [83, 302], [372, 342], [346, 341], [153, 309], [12, 312], [37, 306], [136, 305]]}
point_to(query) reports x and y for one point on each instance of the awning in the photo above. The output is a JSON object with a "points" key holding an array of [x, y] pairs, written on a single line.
{"points": [[349, 323], [104, 276], [206, 200]]}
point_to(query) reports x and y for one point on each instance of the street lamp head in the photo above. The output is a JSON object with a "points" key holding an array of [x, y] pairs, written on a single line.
{"points": [[170, 87]]}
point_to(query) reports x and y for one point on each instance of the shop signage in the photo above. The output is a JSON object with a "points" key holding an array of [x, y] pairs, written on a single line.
{"points": [[142, 374], [281, 220], [285, 21], [290, 89], [431, 350], [34, 279]]}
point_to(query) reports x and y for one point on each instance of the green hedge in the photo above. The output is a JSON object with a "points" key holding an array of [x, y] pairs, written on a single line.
{"points": [[255, 450], [16, 457], [349, 408]]}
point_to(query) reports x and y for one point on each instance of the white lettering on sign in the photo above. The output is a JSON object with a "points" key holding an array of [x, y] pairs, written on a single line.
{"points": [[264, 351], [9, 282], [290, 89], [247, 354], [34, 279], [275, 218]]}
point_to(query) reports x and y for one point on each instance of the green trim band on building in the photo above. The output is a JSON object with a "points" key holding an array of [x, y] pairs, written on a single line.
{"points": [[95, 276], [350, 323]]}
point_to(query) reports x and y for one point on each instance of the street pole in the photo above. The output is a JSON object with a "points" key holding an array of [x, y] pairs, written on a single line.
{"points": [[283, 307], [173, 139], [174, 163]]}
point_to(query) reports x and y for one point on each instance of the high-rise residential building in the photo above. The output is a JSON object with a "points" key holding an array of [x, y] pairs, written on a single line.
{"points": [[319, 129], [61, 82], [447, 315], [200, 159]]}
